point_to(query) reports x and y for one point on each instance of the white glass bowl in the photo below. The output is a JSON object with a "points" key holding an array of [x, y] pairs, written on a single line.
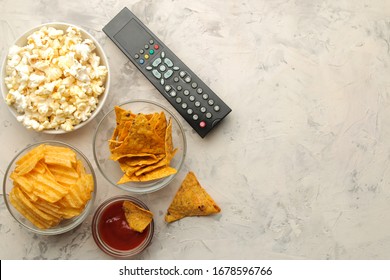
{"points": [[66, 224], [111, 169], [22, 41]]}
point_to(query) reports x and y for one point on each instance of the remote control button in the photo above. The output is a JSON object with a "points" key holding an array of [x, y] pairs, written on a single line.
{"points": [[172, 93], [136, 56], [192, 98], [203, 109], [216, 108], [146, 46], [211, 102], [187, 79], [141, 61], [176, 68], [199, 90], [194, 85], [182, 74], [156, 74], [156, 47], [151, 41], [190, 111], [168, 74], [195, 117], [176, 79], [178, 100], [197, 104], [163, 68], [162, 82], [151, 51], [146, 56], [149, 68], [202, 124], [184, 105], [162, 54], [141, 51], [168, 62], [179, 88], [208, 115], [186, 92], [156, 62], [168, 88], [205, 96]]}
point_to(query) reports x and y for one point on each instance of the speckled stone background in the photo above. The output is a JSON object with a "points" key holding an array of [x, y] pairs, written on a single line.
{"points": [[300, 167]]}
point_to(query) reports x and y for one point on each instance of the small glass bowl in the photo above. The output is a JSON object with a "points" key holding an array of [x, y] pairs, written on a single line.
{"points": [[97, 234], [66, 224], [22, 41], [111, 169]]}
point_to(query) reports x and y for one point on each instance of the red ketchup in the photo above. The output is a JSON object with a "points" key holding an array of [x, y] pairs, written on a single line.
{"points": [[115, 231]]}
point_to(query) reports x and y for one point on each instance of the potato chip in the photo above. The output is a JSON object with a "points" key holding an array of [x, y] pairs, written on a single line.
{"points": [[191, 200], [59, 156], [143, 146], [64, 175], [25, 212], [137, 218], [50, 185], [26, 163], [36, 216]]}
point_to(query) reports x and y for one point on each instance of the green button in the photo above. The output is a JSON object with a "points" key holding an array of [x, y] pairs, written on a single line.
{"points": [[151, 51]]}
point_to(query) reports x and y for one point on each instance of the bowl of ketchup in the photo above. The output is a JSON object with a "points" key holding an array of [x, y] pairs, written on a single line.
{"points": [[112, 233]]}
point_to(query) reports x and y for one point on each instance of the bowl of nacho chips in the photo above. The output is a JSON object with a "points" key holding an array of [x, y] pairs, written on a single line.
{"points": [[139, 146], [49, 187]]}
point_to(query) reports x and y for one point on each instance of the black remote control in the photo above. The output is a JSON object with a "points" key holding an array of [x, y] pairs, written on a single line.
{"points": [[190, 96]]}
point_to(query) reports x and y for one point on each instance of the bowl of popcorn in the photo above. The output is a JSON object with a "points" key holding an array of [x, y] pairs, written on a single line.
{"points": [[55, 78]]}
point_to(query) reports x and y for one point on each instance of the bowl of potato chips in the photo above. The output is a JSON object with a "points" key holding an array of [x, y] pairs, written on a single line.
{"points": [[49, 187], [55, 78], [139, 146]]}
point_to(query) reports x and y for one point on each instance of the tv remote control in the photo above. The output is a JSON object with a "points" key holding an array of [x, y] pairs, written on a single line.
{"points": [[186, 92]]}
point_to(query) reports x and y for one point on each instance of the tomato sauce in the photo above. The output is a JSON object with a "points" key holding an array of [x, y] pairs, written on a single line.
{"points": [[115, 231]]}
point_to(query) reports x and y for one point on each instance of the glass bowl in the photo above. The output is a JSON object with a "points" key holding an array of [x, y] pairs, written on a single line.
{"points": [[111, 169], [107, 224], [66, 224], [22, 41]]}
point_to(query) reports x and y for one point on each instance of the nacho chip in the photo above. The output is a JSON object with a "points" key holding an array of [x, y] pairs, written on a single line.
{"points": [[191, 200], [158, 173], [143, 146], [137, 218], [141, 139]]}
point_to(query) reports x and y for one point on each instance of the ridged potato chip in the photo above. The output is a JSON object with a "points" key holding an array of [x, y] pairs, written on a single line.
{"points": [[50, 185]]}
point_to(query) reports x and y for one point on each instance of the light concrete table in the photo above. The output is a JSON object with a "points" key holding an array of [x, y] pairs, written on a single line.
{"points": [[300, 167]]}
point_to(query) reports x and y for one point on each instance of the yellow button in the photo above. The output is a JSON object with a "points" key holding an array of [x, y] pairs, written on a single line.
{"points": [[146, 56]]}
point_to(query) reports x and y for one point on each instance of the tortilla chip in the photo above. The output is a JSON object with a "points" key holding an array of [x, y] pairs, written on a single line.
{"points": [[137, 218], [191, 200], [140, 139], [143, 146]]}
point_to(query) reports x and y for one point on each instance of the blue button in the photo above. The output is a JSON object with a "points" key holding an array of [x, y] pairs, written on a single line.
{"points": [[141, 61]]}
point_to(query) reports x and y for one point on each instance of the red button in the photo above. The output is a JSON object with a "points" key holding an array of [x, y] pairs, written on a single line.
{"points": [[156, 47], [202, 124]]}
